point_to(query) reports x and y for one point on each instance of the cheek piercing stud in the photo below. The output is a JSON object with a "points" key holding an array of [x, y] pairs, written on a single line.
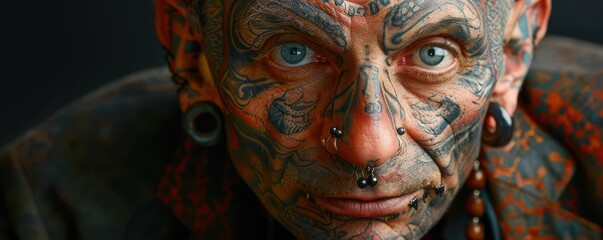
{"points": [[414, 203]]}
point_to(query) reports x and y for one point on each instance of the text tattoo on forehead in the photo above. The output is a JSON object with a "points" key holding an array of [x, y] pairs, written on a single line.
{"points": [[373, 6]]}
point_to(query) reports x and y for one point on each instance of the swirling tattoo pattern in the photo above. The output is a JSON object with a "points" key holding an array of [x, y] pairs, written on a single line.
{"points": [[274, 111]]}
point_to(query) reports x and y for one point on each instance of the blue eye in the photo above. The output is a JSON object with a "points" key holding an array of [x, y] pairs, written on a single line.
{"points": [[434, 58], [432, 55], [293, 53]]}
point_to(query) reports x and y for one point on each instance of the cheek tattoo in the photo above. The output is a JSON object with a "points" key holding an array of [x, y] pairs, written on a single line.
{"points": [[286, 159]]}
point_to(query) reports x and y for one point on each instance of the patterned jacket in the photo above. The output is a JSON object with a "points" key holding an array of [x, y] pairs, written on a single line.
{"points": [[113, 165]]}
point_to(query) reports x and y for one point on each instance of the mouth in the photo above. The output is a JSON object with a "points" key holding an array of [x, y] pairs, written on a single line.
{"points": [[360, 207]]}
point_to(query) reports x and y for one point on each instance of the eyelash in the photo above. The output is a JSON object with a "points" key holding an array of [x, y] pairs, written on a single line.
{"points": [[405, 61], [313, 54], [414, 71]]}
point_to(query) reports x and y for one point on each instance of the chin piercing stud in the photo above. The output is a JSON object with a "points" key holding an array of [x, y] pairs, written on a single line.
{"points": [[414, 203], [440, 190]]}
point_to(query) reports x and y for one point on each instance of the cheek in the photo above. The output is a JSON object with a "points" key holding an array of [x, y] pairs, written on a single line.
{"points": [[282, 113]]}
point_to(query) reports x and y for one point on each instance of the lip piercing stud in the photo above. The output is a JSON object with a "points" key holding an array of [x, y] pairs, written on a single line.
{"points": [[372, 180], [361, 182], [440, 190], [414, 203]]}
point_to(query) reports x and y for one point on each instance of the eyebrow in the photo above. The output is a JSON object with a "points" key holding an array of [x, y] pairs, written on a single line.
{"points": [[398, 32], [311, 20]]}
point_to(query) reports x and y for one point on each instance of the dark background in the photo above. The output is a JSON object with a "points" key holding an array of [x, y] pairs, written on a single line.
{"points": [[56, 51]]}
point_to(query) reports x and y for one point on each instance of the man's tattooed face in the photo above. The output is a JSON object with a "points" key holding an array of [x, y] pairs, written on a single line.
{"points": [[290, 70]]}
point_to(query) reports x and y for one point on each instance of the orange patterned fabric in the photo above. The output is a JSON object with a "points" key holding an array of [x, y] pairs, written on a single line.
{"points": [[548, 183]]}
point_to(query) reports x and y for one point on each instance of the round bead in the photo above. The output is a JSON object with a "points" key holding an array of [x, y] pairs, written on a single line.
{"points": [[372, 181], [362, 182], [477, 179], [338, 133], [475, 230], [475, 205], [401, 130], [333, 131]]}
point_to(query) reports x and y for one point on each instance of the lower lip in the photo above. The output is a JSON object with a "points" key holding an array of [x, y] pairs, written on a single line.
{"points": [[364, 209]]}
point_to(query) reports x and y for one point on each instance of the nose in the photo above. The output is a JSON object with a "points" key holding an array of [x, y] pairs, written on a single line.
{"points": [[369, 142], [369, 136]]}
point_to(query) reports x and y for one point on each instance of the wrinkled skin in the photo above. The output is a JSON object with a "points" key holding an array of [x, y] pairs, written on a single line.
{"points": [[285, 71]]}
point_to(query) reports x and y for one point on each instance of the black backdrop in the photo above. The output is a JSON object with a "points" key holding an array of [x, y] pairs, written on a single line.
{"points": [[56, 51]]}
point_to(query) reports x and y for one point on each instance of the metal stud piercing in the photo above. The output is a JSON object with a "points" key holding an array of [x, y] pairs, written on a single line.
{"points": [[440, 190], [414, 203], [372, 179], [401, 131], [335, 132], [333, 148], [361, 182]]}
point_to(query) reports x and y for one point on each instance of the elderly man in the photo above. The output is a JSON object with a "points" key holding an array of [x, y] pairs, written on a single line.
{"points": [[353, 118], [346, 119]]}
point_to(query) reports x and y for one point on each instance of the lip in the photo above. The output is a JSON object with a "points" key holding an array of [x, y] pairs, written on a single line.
{"points": [[360, 207]]}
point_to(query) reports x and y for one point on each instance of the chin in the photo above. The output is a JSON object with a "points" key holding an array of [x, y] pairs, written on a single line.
{"points": [[311, 219]]}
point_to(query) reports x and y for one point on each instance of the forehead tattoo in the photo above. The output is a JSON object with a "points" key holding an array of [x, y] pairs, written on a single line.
{"points": [[403, 22], [259, 20]]}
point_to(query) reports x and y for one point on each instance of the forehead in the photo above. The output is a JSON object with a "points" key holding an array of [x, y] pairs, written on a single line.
{"points": [[339, 22], [342, 9]]}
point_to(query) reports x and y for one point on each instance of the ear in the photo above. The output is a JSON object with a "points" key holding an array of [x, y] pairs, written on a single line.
{"points": [[525, 28], [180, 33]]}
